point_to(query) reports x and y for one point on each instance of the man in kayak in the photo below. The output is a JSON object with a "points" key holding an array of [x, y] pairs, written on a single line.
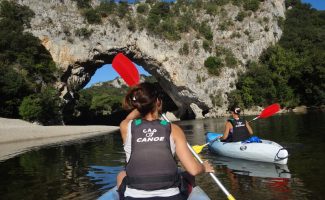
{"points": [[236, 128], [150, 144]]}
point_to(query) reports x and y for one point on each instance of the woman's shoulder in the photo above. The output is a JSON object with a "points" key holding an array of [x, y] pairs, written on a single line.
{"points": [[175, 127], [125, 123], [177, 132]]}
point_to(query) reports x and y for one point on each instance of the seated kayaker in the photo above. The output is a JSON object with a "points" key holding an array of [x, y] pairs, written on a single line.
{"points": [[150, 144], [236, 128]]}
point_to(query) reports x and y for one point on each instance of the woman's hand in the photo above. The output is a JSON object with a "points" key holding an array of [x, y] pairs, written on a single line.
{"points": [[207, 167]]}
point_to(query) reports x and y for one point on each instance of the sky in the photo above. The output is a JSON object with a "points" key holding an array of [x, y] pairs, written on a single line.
{"points": [[318, 4], [106, 72]]}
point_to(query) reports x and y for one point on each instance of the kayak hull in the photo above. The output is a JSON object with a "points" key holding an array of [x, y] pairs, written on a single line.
{"points": [[197, 193], [266, 151]]}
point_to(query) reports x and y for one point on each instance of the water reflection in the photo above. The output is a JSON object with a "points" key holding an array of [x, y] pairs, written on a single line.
{"points": [[298, 133], [86, 169], [252, 168], [104, 175]]}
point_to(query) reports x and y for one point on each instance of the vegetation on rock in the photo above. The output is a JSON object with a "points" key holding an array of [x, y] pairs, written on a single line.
{"points": [[293, 71], [167, 20], [290, 72], [26, 67]]}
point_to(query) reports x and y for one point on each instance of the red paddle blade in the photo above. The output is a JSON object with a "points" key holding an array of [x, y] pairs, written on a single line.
{"points": [[126, 69], [270, 110]]}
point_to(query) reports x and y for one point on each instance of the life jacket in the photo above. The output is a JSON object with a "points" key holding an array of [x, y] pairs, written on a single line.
{"points": [[239, 130], [152, 165]]}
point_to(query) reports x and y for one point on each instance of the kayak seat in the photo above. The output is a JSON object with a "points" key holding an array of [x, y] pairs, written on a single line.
{"points": [[253, 139]]}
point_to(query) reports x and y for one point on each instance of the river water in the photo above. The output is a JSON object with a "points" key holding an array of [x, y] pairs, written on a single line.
{"points": [[85, 169]]}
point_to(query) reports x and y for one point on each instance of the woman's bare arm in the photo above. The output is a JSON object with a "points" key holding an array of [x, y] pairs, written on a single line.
{"points": [[124, 124], [228, 127], [249, 128], [185, 156]]}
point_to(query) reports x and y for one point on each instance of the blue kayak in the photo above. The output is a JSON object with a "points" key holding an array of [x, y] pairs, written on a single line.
{"points": [[196, 194], [263, 151]]}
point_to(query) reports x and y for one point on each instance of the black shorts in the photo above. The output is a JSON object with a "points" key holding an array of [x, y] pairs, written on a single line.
{"points": [[186, 183]]}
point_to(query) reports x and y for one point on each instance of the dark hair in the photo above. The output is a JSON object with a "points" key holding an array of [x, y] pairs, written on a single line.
{"points": [[235, 109], [143, 97]]}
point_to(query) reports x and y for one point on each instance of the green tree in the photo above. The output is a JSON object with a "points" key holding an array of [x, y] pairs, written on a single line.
{"points": [[257, 86], [19, 14], [31, 108], [13, 88], [25, 65], [43, 107], [105, 104], [291, 72]]}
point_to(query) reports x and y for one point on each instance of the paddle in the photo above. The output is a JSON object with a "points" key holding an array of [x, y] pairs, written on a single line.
{"points": [[199, 148], [126, 69], [266, 112], [130, 75]]}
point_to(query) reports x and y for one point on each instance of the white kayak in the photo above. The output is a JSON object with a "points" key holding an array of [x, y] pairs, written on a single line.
{"points": [[196, 194], [265, 151]]}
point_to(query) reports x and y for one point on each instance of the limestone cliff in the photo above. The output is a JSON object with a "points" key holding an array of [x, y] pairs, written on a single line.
{"points": [[183, 77]]}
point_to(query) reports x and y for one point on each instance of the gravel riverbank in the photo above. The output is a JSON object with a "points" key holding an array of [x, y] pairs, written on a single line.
{"points": [[18, 136]]}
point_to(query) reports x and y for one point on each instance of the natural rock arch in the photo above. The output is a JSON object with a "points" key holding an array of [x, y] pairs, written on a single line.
{"points": [[79, 74], [184, 77]]}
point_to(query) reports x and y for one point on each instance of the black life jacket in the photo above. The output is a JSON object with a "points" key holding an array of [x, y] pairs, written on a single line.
{"points": [[152, 165], [240, 131]]}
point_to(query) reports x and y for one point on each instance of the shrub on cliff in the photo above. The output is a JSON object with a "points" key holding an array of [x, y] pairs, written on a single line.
{"points": [[106, 8], [143, 8], [214, 65], [252, 5], [206, 31], [83, 33], [92, 16], [83, 3]]}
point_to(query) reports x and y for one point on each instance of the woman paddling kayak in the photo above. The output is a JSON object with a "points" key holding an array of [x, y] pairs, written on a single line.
{"points": [[150, 144], [236, 128]]}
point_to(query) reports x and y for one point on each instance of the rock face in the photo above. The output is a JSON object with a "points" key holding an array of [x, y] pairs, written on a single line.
{"points": [[183, 77]]}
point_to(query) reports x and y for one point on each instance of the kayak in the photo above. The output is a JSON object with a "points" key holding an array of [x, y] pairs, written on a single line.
{"points": [[112, 194], [254, 168], [197, 193], [264, 151]]}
